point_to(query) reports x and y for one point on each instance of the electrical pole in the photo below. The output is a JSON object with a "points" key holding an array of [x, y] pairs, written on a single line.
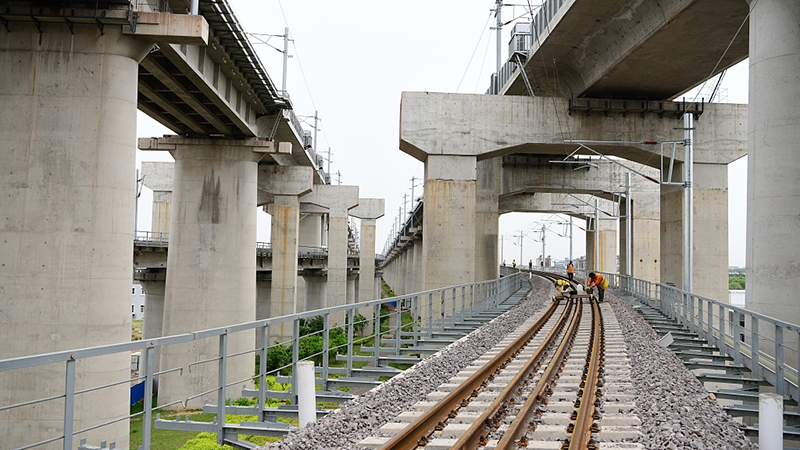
{"points": [[628, 218], [285, 58], [596, 238], [570, 238], [498, 10], [316, 118], [543, 245]]}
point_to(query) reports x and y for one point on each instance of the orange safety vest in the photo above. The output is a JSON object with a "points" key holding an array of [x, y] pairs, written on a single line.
{"points": [[599, 281], [570, 268]]}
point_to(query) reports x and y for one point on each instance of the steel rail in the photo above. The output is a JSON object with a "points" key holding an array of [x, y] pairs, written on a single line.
{"points": [[587, 411], [477, 432], [410, 436], [519, 425]]}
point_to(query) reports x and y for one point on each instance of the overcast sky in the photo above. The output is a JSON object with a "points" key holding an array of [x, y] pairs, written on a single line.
{"points": [[351, 62]]}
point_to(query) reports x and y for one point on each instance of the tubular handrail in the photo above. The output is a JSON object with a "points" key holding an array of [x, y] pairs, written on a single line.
{"points": [[744, 335], [460, 301]]}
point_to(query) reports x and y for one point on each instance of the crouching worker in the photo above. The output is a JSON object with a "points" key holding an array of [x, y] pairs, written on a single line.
{"points": [[564, 289], [595, 279]]}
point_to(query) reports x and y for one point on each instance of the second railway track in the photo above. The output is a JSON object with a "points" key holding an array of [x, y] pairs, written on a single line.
{"points": [[560, 381]]}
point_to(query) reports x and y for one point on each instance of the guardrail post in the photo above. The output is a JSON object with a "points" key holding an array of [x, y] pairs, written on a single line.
{"points": [[295, 357], [779, 360], [377, 340], [262, 372], [737, 349], [415, 318], [223, 372], [147, 423], [755, 352], [69, 403], [398, 326], [463, 304], [326, 345], [350, 335], [430, 314]]}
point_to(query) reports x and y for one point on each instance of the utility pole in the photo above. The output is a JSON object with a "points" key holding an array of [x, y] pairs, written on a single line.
{"points": [[498, 9], [543, 245], [285, 58], [570, 238], [628, 218], [596, 237], [316, 118]]}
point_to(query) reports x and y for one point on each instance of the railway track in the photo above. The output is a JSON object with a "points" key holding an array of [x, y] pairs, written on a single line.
{"points": [[560, 381]]}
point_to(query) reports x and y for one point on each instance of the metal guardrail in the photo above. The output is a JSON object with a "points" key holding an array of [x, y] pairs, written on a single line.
{"points": [[754, 340], [455, 303]]}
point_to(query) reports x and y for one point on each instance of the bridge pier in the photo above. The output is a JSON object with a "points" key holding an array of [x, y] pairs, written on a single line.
{"points": [[606, 249], [773, 131], [338, 200], [68, 113], [211, 261], [286, 184], [710, 274], [369, 210]]}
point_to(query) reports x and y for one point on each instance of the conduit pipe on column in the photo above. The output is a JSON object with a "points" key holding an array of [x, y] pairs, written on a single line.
{"points": [[688, 201], [306, 393], [194, 7]]}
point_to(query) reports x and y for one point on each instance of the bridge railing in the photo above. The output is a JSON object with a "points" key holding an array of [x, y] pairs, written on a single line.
{"points": [[403, 322], [765, 345]]}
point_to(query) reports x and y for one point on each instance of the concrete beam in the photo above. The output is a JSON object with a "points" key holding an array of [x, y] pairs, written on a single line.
{"points": [[168, 28], [485, 126]]}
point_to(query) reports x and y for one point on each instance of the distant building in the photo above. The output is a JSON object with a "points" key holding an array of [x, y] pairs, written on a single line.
{"points": [[137, 305]]}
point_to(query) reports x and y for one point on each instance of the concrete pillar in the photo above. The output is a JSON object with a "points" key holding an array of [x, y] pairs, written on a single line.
{"points": [[448, 251], [311, 229], [338, 200], [773, 194], [286, 184], [352, 287], [316, 290], [412, 260], [645, 232], [263, 298], [710, 275], [417, 276], [368, 211], [68, 114], [607, 241], [487, 219], [211, 264], [154, 282], [158, 177]]}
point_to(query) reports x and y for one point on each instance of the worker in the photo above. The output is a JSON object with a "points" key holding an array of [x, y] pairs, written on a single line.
{"points": [[564, 288], [570, 271], [504, 263], [595, 279], [514, 263], [530, 264]]}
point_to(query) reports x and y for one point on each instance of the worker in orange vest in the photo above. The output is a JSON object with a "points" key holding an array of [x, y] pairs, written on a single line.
{"points": [[570, 271], [595, 279]]}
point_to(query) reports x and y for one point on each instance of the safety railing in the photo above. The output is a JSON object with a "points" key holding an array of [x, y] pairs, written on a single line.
{"points": [[389, 325], [767, 346]]}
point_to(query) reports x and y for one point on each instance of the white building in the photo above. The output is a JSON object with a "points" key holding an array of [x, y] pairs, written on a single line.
{"points": [[137, 306]]}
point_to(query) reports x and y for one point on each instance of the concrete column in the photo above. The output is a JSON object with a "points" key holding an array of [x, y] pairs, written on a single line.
{"points": [[211, 263], [352, 287], [339, 200], [645, 232], [316, 290], [153, 282], [158, 177], [607, 250], [68, 115], [417, 276], [773, 194], [412, 260], [263, 298], [368, 211], [710, 275], [487, 219], [286, 183], [311, 229], [448, 251]]}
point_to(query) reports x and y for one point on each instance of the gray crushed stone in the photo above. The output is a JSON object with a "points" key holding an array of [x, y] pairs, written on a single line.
{"points": [[676, 411]]}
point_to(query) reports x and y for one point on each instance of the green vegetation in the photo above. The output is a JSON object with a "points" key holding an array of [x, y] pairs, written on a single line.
{"points": [[136, 330], [386, 291], [736, 282]]}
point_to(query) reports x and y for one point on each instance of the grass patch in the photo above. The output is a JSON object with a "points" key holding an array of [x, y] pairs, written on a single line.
{"points": [[136, 330]]}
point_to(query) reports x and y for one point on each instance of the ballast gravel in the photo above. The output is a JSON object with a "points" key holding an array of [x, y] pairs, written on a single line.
{"points": [[676, 411]]}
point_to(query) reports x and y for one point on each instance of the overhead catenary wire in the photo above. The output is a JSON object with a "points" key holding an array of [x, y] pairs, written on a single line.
{"points": [[477, 44]]}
